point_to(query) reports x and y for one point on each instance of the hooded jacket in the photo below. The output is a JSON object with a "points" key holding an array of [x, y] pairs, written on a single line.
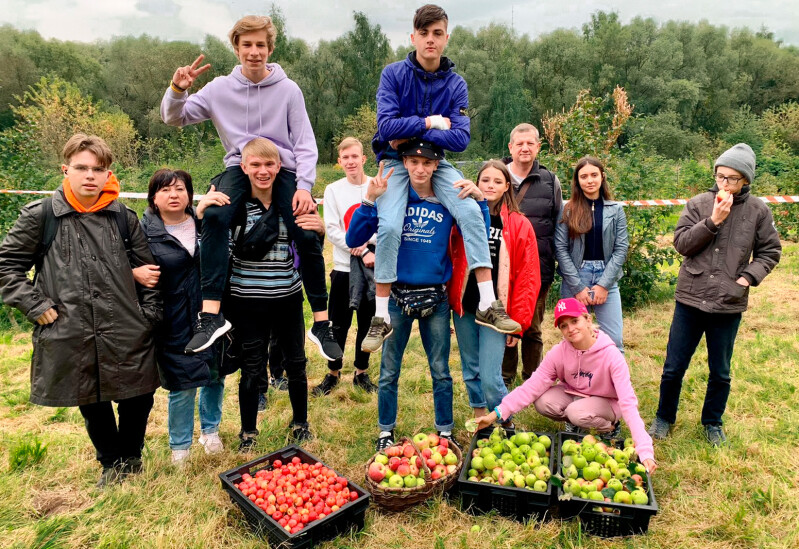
{"points": [[242, 110], [600, 371], [519, 278], [101, 346], [408, 94], [179, 284], [745, 244]]}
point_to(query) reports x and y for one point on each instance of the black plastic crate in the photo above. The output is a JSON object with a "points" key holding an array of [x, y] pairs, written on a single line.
{"points": [[348, 517], [625, 520], [509, 501]]}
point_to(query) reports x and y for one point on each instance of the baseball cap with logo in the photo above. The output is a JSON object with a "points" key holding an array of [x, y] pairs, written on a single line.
{"points": [[420, 147], [570, 308]]}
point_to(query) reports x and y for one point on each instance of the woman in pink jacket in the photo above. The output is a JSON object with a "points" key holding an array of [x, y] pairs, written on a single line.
{"points": [[593, 388], [516, 279]]}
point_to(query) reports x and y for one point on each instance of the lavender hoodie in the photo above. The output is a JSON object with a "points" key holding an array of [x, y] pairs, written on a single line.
{"points": [[242, 110], [600, 371]]}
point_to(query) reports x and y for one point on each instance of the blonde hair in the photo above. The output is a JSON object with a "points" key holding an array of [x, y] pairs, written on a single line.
{"points": [[524, 128], [260, 147], [348, 142], [81, 142], [254, 23]]}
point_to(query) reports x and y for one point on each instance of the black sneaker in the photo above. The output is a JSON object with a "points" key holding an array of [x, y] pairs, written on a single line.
{"points": [[280, 383], [379, 330], [301, 433], [109, 476], [715, 435], [385, 440], [248, 441], [321, 333], [209, 328], [362, 380], [613, 434], [326, 386], [262, 402], [449, 437], [659, 429]]}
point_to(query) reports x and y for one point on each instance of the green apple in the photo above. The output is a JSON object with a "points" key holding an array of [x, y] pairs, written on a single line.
{"points": [[497, 448], [591, 473], [601, 457], [396, 481], [519, 481], [482, 443], [473, 473], [542, 472], [579, 461], [628, 442], [540, 486], [524, 468], [421, 441], [572, 486], [485, 452], [615, 485], [509, 466], [589, 439], [410, 481], [478, 463], [570, 471], [622, 473], [621, 457], [622, 497], [605, 474], [640, 497], [589, 452], [596, 496], [450, 458], [612, 464], [490, 461], [545, 440], [539, 448], [524, 438], [530, 480]]}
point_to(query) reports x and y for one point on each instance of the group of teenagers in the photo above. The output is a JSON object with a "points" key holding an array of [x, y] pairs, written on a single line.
{"points": [[122, 306]]}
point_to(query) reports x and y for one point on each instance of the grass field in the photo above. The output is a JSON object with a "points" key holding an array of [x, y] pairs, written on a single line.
{"points": [[741, 496]]}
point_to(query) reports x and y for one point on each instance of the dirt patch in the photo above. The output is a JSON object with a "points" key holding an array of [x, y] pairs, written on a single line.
{"points": [[47, 503]]}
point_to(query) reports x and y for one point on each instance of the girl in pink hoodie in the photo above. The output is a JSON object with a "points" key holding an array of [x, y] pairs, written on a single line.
{"points": [[584, 380]]}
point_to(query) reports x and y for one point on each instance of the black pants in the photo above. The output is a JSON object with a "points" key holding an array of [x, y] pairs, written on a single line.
{"points": [[276, 369], [687, 327], [254, 320], [341, 316], [113, 443], [532, 344], [215, 234]]}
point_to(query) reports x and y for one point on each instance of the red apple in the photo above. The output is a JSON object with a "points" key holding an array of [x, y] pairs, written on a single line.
{"points": [[435, 475], [393, 463], [404, 470], [427, 452], [408, 450], [443, 442], [433, 439], [431, 464], [443, 450], [377, 471], [414, 470]]}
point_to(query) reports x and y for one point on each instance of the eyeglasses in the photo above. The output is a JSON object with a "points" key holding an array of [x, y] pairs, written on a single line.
{"points": [[731, 179], [95, 169]]}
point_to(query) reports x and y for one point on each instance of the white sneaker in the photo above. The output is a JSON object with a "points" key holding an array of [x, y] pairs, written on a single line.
{"points": [[180, 457], [212, 443]]}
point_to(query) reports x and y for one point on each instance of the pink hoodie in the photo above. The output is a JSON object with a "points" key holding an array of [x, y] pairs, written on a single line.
{"points": [[599, 371]]}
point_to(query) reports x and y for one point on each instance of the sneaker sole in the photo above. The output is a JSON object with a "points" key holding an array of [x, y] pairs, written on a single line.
{"points": [[366, 349], [318, 344], [495, 328], [222, 330]]}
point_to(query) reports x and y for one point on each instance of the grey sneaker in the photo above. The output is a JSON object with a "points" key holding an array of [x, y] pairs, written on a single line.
{"points": [[659, 429], [379, 330], [496, 318], [613, 434], [715, 435], [363, 381], [109, 476]]}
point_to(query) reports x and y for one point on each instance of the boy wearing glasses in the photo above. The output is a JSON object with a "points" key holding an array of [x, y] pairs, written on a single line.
{"points": [[729, 242]]}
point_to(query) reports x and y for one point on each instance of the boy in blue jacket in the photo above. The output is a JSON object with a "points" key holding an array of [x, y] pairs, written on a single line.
{"points": [[422, 98], [419, 292]]}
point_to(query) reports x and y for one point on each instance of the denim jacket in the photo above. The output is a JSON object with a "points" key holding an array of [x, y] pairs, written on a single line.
{"points": [[614, 244]]}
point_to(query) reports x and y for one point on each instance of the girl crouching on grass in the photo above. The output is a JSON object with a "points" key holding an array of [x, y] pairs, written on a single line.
{"points": [[516, 278], [583, 380]]}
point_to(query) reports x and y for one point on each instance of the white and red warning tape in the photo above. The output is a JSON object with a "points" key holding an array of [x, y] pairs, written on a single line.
{"points": [[784, 199]]}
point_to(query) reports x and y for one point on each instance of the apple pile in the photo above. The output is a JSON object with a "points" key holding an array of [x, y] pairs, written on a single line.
{"points": [[520, 461], [397, 467], [592, 470], [438, 456], [296, 494]]}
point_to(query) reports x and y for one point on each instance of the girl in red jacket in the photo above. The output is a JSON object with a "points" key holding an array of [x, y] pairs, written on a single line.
{"points": [[516, 277]]}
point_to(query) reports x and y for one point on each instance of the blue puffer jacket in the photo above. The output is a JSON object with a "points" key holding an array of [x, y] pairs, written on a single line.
{"points": [[408, 94]]}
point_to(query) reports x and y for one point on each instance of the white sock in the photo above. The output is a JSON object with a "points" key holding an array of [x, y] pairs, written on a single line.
{"points": [[487, 296], [445, 434], [381, 308], [384, 434]]}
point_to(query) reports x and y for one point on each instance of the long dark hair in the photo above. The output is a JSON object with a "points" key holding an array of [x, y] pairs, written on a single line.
{"points": [[577, 211], [164, 178], [509, 199]]}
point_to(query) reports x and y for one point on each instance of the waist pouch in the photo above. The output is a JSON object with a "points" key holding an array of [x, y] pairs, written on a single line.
{"points": [[254, 244], [418, 302]]}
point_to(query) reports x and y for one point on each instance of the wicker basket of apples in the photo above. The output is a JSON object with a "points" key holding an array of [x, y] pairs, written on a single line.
{"points": [[398, 476], [444, 459]]}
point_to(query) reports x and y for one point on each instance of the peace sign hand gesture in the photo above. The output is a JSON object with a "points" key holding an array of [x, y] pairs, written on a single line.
{"points": [[184, 77], [378, 184]]}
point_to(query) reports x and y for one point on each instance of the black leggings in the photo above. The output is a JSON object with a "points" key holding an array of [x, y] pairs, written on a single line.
{"points": [[116, 444], [254, 320], [215, 236]]}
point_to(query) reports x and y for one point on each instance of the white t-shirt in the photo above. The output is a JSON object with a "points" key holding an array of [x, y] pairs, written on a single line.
{"points": [[341, 199]]}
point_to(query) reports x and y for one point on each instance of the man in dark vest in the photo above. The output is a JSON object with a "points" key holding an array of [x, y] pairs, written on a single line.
{"points": [[539, 195]]}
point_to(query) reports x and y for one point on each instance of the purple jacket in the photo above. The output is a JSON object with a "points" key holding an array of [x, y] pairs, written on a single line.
{"points": [[242, 110], [407, 94]]}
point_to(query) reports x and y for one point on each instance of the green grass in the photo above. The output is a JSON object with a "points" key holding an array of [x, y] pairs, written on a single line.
{"points": [[741, 496]]}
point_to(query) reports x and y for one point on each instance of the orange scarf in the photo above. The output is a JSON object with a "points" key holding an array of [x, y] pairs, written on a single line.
{"points": [[108, 194]]}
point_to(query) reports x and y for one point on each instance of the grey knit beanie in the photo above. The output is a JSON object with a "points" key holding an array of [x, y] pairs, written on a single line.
{"points": [[740, 157]]}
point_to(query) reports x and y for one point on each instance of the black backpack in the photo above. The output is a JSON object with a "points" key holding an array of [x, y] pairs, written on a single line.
{"points": [[49, 226]]}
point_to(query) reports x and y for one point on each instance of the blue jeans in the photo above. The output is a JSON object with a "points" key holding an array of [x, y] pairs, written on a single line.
{"points": [[434, 331], [608, 315], [482, 350], [181, 413], [391, 207], [686, 331]]}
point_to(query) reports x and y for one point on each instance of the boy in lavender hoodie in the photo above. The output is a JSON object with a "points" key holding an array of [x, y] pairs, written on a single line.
{"points": [[256, 99], [593, 388]]}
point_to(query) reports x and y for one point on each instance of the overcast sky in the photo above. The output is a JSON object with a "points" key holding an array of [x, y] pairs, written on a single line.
{"points": [[312, 20]]}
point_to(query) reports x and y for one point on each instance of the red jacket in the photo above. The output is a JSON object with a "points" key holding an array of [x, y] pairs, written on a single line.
{"points": [[519, 278]]}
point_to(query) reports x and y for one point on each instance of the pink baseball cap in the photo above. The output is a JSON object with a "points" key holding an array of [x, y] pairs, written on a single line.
{"points": [[569, 307]]}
